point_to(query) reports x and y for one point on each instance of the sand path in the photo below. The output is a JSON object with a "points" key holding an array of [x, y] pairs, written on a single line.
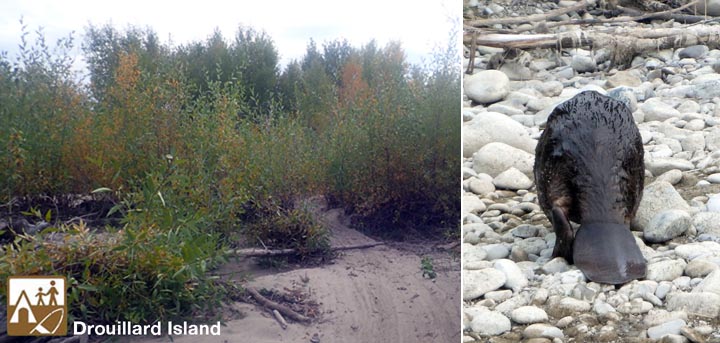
{"points": [[376, 294]]}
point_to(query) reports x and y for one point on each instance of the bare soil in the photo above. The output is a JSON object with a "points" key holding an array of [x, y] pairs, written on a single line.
{"points": [[370, 295]]}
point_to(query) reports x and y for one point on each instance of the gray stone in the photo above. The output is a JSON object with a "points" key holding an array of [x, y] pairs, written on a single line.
{"points": [[714, 178], [695, 125], [630, 78], [574, 305], [472, 204], [672, 176], [603, 308], [487, 86], [707, 222], [712, 139], [495, 158], [699, 268], [481, 186], [660, 165], [556, 265], [656, 109], [666, 225], [701, 304], [713, 204], [525, 231], [658, 197], [489, 127], [472, 255], [694, 51], [496, 251], [499, 296], [539, 104], [514, 277], [512, 179], [478, 282], [489, 323], [695, 250], [691, 334], [663, 289], [659, 316], [666, 270], [468, 173], [542, 330], [534, 245], [711, 7], [516, 71], [693, 142], [549, 88], [528, 315], [583, 64], [635, 306], [711, 283], [668, 328], [706, 90], [506, 109], [508, 305], [670, 338], [626, 95]]}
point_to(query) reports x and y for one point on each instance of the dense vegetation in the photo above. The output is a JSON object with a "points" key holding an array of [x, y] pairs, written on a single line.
{"points": [[202, 143]]}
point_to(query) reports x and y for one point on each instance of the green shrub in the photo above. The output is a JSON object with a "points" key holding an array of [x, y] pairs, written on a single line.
{"points": [[137, 274]]}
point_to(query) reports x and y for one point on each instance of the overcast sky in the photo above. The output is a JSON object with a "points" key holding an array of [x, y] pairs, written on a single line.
{"points": [[419, 24]]}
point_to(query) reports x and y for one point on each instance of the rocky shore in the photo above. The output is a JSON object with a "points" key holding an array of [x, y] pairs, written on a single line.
{"points": [[513, 290]]}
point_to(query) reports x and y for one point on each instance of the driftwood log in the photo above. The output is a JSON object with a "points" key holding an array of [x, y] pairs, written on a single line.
{"points": [[288, 312], [531, 18], [626, 42], [254, 252]]}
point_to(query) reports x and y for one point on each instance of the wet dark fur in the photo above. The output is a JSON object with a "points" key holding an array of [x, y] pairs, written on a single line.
{"points": [[589, 169]]}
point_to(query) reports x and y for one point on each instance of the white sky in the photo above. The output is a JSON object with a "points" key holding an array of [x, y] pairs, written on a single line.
{"points": [[419, 24]]}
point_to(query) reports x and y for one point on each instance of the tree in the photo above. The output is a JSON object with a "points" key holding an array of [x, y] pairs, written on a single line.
{"points": [[103, 46], [336, 55], [312, 56], [257, 59], [289, 86]]}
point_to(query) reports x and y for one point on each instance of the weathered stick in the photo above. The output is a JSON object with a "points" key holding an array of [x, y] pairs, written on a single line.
{"points": [[288, 312], [531, 18], [280, 319], [254, 252], [636, 16], [635, 40], [667, 15]]}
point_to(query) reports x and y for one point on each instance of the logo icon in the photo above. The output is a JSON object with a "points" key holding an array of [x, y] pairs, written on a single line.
{"points": [[37, 306]]}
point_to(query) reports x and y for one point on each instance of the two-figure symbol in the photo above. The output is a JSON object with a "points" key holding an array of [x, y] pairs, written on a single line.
{"points": [[52, 293]]}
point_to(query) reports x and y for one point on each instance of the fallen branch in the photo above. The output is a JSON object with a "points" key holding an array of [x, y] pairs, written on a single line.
{"points": [[288, 312], [635, 16], [531, 18], [667, 15], [636, 39], [280, 319], [254, 252]]}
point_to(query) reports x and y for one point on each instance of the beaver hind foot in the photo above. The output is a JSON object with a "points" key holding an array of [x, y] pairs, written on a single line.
{"points": [[607, 253], [564, 235]]}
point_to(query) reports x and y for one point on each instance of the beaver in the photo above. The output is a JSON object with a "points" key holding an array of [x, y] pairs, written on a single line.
{"points": [[589, 169]]}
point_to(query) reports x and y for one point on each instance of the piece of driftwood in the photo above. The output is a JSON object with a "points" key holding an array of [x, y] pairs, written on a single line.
{"points": [[634, 39], [635, 15], [667, 15], [280, 319], [288, 312], [254, 252], [531, 18]]}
